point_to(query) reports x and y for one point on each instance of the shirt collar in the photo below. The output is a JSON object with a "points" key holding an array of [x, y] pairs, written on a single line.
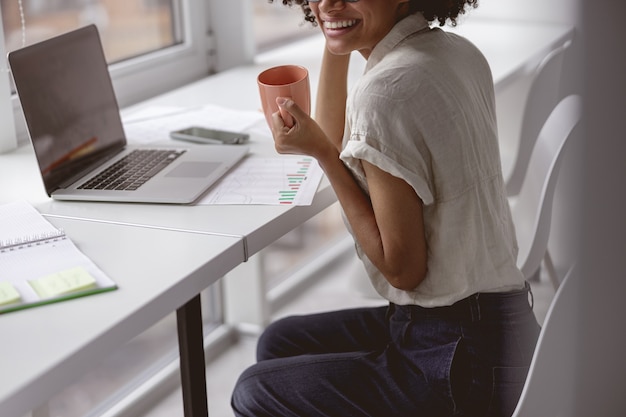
{"points": [[402, 30]]}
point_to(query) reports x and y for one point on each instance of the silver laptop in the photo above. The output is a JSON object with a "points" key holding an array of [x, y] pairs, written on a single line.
{"points": [[76, 130]]}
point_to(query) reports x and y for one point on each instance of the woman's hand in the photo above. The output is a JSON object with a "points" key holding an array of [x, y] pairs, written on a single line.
{"points": [[305, 137]]}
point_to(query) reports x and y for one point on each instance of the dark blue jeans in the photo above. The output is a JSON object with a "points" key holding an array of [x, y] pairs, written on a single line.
{"points": [[468, 359]]}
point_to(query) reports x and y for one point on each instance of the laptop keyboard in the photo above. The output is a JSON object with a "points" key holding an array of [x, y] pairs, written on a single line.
{"points": [[132, 171]]}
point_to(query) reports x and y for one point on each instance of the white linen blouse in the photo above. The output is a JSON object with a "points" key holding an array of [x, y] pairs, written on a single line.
{"points": [[424, 111]]}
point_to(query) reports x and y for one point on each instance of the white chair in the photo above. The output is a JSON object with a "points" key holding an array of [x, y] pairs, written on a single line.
{"points": [[543, 96], [532, 207], [549, 388]]}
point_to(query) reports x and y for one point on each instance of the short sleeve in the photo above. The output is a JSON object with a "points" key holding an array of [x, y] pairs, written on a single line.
{"points": [[405, 155]]}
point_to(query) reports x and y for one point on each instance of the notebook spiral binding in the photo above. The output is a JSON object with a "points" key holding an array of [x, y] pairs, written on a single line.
{"points": [[29, 241]]}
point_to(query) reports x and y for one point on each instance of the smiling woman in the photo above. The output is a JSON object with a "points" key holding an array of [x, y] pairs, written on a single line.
{"points": [[411, 152]]}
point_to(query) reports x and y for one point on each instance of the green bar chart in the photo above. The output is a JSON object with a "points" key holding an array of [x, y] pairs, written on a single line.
{"points": [[284, 180]]}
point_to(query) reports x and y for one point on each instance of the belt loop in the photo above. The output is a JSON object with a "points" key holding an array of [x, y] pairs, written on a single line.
{"points": [[475, 307], [530, 292], [390, 310]]}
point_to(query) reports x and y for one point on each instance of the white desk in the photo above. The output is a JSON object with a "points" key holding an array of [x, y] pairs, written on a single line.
{"points": [[45, 349], [512, 49]]}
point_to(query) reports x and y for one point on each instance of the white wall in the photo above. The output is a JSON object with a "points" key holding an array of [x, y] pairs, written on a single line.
{"points": [[231, 22]]}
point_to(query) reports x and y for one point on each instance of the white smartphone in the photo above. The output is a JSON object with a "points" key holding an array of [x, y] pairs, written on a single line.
{"points": [[212, 136]]}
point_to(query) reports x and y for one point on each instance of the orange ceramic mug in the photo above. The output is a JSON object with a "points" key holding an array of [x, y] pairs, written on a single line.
{"points": [[284, 81]]}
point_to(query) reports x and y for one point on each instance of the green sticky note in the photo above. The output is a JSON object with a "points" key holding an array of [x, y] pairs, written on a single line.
{"points": [[63, 283], [8, 294]]}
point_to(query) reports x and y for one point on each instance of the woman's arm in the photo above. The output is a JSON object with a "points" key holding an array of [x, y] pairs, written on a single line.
{"points": [[388, 224], [332, 92]]}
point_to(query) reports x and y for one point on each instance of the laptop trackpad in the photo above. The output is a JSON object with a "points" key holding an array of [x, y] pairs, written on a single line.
{"points": [[198, 169]]}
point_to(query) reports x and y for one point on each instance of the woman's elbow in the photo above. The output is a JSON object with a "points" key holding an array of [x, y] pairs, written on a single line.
{"points": [[408, 281]]}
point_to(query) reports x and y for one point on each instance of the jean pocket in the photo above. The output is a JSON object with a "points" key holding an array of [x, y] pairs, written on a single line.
{"points": [[508, 383]]}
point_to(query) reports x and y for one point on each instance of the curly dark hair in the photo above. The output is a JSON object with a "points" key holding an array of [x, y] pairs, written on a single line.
{"points": [[440, 10]]}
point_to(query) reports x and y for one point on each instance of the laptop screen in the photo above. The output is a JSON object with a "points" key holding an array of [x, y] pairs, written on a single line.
{"points": [[68, 102]]}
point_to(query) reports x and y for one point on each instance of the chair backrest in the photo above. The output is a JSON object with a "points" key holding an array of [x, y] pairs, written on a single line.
{"points": [[549, 388], [543, 95], [532, 207]]}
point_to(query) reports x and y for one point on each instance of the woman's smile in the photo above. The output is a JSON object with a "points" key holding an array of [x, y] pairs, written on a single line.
{"points": [[357, 26], [339, 24]]}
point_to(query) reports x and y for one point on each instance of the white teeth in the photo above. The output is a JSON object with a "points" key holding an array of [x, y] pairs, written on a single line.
{"points": [[339, 24]]}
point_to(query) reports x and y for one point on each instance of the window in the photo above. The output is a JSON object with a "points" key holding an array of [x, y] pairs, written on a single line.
{"points": [[152, 45], [128, 28]]}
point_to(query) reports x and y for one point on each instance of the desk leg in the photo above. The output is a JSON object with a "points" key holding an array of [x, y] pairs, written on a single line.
{"points": [[192, 366]]}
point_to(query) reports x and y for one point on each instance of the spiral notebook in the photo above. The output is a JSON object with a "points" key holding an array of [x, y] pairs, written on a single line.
{"points": [[39, 264]]}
